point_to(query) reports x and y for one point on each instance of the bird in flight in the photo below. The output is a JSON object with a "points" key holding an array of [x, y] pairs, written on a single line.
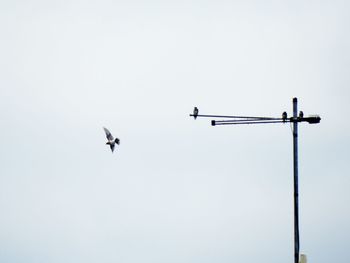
{"points": [[111, 141], [195, 112]]}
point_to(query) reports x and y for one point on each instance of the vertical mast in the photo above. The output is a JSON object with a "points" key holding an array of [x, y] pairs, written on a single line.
{"points": [[296, 190]]}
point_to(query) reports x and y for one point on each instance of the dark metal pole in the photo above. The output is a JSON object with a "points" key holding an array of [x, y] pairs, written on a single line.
{"points": [[296, 190]]}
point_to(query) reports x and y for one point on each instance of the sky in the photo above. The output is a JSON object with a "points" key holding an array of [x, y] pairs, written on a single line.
{"points": [[176, 189]]}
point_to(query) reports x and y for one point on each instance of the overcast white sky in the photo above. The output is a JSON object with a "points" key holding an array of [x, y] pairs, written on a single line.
{"points": [[176, 190]]}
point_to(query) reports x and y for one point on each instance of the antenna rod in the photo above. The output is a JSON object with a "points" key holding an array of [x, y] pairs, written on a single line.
{"points": [[233, 117]]}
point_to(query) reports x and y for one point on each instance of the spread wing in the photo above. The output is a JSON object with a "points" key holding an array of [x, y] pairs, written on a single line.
{"points": [[112, 147], [108, 134]]}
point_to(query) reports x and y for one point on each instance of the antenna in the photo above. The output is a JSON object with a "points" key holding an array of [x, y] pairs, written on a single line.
{"points": [[295, 119]]}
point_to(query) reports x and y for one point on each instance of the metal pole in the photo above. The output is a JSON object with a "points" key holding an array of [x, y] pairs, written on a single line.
{"points": [[296, 190]]}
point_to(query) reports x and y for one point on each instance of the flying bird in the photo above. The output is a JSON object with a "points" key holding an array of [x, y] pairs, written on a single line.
{"points": [[111, 141], [195, 112]]}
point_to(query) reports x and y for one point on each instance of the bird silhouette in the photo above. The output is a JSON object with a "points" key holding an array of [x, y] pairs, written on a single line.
{"points": [[111, 141], [195, 112], [284, 116]]}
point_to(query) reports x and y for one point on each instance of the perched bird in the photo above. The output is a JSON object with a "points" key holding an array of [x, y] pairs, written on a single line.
{"points": [[195, 112], [111, 141], [284, 116]]}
